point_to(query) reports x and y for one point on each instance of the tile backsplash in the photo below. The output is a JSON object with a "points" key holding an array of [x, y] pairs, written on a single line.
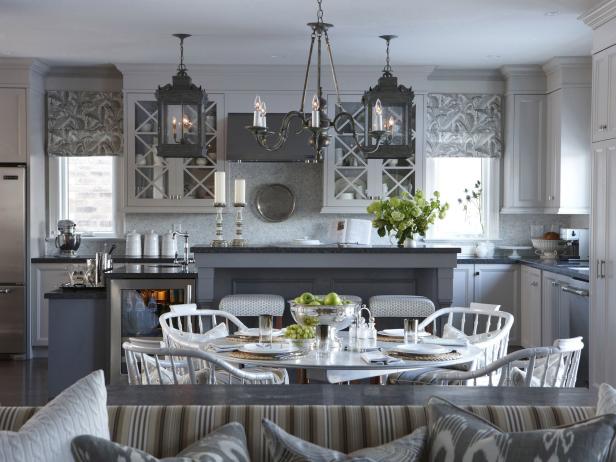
{"points": [[306, 181]]}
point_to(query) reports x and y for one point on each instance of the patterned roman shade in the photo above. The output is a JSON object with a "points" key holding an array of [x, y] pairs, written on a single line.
{"points": [[84, 123], [460, 125]]}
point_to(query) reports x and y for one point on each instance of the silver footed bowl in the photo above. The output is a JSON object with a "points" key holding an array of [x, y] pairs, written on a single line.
{"points": [[338, 316]]}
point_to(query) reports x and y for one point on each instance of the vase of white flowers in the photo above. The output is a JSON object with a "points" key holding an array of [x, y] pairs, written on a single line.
{"points": [[407, 216]]}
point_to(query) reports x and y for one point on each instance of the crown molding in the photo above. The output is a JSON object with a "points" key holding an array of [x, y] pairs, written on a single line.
{"points": [[525, 70], [444, 73], [567, 62], [104, 71], [24, 64], [600, 14]]}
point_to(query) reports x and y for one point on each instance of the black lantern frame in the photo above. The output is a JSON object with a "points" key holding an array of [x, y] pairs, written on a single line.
{"points": [[394, 141], [179, 103]]}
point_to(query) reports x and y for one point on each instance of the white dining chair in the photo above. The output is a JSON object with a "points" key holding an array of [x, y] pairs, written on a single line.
{"points": [[487, 330], [484, 306], [554, 366], [188, 318], [178, 366]]}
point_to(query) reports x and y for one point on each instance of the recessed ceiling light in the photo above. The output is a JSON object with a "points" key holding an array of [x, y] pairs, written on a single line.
{"points": [[552, 13], [274, 56]]}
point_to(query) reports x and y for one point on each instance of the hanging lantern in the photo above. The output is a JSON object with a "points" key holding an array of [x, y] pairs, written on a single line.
{"points": [[180, 109], [390, 116]]}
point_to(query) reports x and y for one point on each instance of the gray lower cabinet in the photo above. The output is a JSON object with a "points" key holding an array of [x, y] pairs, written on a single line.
{"points": [[45, 277], [530, 307], [551, 284], [490, 283]]}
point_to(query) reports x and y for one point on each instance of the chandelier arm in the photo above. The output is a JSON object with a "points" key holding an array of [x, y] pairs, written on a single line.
{"points": [[360, 146], [282, 134], [334, 76], [301, 107]]}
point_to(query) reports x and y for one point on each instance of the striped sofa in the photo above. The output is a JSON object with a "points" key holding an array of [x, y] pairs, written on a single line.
{"points": [[164, 430]]}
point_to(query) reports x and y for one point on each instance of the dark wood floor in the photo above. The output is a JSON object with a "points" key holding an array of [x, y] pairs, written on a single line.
{"points": [[23, 383]]}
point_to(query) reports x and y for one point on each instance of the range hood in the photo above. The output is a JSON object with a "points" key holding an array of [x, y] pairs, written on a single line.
{"points": [[242, 147]]}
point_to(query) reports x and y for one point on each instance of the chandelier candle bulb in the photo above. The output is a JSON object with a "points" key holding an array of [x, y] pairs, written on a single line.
{"points": [[219, 188], [316, 115], [263, 114], [256, 119], [240, 191], [174, 127], [378, 119]]}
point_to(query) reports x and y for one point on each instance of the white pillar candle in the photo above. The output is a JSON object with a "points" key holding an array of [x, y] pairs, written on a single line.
{"points": [[219, 188], [377, 124], [240, 191], [256, 118], [316, 115]]}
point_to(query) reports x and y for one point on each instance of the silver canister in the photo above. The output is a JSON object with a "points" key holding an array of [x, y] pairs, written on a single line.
{"points": [[103, 263]]}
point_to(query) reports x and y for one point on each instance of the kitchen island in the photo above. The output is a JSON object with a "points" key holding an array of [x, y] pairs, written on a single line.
{"points": [[350, 270]]}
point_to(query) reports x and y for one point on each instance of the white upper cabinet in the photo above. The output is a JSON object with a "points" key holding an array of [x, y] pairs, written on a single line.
{"points": [[525, 161], [157, 184], [547, 157], [13, 122], [604, 93], [352, 182]]}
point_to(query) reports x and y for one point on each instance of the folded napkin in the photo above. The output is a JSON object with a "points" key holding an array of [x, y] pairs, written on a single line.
{"points": [[459, 342], [223, 348], [377, 357]]}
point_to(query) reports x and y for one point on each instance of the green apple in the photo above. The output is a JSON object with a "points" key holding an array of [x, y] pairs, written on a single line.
{"points": [[332, 298], [314, 303], [306, 297], [298, 300]]}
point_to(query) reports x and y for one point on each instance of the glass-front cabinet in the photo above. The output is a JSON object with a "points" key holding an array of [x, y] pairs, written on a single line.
{"points": [[352, 182], [154, 182]]}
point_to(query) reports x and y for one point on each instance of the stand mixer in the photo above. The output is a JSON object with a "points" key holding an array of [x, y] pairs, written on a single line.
{"points": [[68, 240]]}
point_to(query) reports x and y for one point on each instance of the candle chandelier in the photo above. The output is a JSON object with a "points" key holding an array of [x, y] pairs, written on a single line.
{"points": [[317, 123]]}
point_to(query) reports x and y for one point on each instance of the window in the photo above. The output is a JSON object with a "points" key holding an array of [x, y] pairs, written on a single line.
{"points": [[85, 192], [451, 176]]}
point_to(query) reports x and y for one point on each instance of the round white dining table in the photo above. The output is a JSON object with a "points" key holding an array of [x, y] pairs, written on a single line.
{"points": [[342, 365]]}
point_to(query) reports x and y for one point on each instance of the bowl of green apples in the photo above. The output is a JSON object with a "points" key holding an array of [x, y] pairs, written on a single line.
{"points": [[310, 310]]}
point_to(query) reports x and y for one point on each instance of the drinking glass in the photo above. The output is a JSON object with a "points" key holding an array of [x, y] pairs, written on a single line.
{"points": [[266, 324], [410, 330]]}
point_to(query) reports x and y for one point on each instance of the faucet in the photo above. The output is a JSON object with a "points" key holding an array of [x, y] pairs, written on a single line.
{"points": [[186, 260]]}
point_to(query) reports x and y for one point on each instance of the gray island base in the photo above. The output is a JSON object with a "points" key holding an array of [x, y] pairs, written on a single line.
{"points": [[361, 271]]}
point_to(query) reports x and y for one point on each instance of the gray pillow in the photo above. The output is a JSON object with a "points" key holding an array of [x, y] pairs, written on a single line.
{"points": [[606, 403], [288, 448], [225, 444], [456, 434]]}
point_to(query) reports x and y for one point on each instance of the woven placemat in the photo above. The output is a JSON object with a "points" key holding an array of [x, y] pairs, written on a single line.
{"points": [[388, 338], [245, 355], [250, 339], [440, 357]]}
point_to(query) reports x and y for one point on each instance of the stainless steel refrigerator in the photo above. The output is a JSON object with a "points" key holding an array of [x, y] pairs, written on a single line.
{"points": [[12, 260]]}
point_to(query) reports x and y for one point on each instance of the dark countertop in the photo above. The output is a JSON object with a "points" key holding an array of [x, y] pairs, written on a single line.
{"points": [[357, 394], [496, 260], [87, 293], [151, 271], [333, 248], [116, 259], [566, 268]]}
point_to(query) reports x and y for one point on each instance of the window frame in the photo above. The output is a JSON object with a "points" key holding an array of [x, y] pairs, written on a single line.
{"points": [[490, 178], [58, 198]]}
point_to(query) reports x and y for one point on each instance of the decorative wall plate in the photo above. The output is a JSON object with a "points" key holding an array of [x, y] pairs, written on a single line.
{"points": [[275, 202]]}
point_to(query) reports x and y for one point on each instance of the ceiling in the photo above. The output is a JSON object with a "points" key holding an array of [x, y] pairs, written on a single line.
{"points": [[453, 33]]}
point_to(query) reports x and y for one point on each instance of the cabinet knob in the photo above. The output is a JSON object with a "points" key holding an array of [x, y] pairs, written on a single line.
{"points": [[534, 284], [555, 284], [477, 273]]}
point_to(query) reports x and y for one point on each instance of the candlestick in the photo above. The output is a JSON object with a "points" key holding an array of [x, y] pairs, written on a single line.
{"points": [[218, 240], [239, 241], [219, 188], [240, 192], [316, 115], [377, 125]]}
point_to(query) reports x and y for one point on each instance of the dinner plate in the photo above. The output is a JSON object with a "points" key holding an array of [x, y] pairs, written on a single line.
{"points": [[423, 349], [269, 348], [254, 332], [400, 333]]}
